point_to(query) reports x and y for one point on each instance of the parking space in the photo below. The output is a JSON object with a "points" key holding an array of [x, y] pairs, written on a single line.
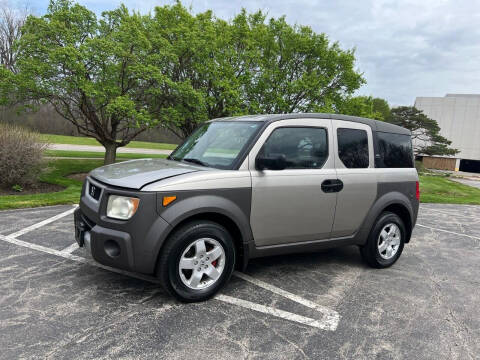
{"points": [[56, 303], [15, 220]]}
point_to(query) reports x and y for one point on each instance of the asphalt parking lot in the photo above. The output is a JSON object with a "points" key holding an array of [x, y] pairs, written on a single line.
{"points": [[56, 303]]}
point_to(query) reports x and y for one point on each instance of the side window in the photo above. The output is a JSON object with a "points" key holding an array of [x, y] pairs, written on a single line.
{"points": [[353, 148], [303, 147], [395, 150]]}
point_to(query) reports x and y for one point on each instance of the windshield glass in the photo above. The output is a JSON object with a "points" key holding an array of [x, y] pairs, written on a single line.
{"points": [[217, 144]]}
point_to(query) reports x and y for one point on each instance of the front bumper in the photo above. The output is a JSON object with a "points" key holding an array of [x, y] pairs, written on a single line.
{"points": [[133, 244]]}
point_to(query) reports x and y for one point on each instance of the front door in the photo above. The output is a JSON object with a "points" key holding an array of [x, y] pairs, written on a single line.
{"points": [[289, 205]]}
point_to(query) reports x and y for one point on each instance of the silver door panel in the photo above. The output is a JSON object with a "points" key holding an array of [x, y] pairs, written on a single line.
{"points": [[289, 208], [289, 205], [359, 186], [354, 201]]}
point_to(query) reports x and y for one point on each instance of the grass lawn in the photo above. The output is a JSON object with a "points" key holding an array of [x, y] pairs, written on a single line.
{"points": [[55, 174], [78, 140], [98, 155], [442, 190]]}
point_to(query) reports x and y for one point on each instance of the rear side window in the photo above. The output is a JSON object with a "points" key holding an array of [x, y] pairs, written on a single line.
{"points": [[353, 148], [395, 150], [303, 147]]}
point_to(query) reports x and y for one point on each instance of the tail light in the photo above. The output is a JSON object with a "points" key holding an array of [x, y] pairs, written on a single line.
{"points": [[417, 190]]}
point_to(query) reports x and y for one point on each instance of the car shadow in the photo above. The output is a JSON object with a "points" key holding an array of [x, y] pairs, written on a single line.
{"points": [[347, 256]]}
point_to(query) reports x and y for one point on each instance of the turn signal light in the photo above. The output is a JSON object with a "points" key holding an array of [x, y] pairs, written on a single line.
{"points": [[168, 200]]}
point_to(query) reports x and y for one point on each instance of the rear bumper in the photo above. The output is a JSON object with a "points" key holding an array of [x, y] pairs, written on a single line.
{"points": [[130, 245]]}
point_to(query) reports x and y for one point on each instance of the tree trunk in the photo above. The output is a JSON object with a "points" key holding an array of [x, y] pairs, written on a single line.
{"points": [[110, 153]]}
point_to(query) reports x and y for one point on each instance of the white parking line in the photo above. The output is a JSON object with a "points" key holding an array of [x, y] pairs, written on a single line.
{"points": [[80, 259], [326, 324], [330, 317], [449, 232], [71, 248], [42, 223], [41, 248], [275, 312], [446, 212]]}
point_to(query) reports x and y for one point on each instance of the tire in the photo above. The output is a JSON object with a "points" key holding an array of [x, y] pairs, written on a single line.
{"points": [[204, 270], [380, 250]]}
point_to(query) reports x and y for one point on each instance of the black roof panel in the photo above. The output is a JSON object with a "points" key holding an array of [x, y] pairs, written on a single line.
{"points": [[374, 124]]}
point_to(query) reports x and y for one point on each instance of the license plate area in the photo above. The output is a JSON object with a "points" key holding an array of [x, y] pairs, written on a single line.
{"points": [[94, 191]]}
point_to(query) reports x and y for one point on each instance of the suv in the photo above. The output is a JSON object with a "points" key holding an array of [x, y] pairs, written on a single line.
{"points": [[245, 187]]}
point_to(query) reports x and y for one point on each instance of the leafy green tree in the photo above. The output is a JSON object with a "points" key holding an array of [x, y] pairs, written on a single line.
{"points": [[251, 66], [381, 106], [115, 76], [202, 61], [96, 73], [425, 131], [363, 106], [291, 68]]}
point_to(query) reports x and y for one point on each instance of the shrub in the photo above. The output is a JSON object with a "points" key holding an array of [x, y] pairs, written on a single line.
{"points": [[20, 156]]}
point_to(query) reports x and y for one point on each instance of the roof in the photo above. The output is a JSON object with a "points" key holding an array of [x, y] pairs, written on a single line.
{"points": [[463, 95], [374, 124]]}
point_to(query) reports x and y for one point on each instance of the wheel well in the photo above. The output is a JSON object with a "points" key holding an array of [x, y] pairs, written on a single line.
{"points": [[404, 214], [225, 221]]}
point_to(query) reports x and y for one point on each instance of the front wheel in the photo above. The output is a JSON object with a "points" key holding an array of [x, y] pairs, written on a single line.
{"points": [[385, 242], [197, 261]]}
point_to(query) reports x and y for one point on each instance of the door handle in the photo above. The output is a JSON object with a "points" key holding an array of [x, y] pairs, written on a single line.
{"points": [[332, 185]]}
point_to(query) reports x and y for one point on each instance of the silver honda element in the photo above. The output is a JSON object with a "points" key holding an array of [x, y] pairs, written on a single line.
{"points": [[245, 187]]}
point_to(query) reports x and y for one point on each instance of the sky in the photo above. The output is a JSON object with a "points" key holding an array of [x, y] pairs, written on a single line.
{"points": [[404, 48]]}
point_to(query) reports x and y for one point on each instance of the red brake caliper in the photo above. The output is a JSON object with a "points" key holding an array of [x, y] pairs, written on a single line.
{"points": [[214, 263]]}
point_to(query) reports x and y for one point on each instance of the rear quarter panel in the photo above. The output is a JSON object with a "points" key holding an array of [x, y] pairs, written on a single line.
{"points": [[394, 186]]}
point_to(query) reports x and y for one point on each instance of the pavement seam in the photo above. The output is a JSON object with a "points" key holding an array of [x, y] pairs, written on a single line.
{"points": [[449, 232]]}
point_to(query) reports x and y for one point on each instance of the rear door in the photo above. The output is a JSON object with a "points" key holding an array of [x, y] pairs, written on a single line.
{"points": [[289, 206], [354, 161]]}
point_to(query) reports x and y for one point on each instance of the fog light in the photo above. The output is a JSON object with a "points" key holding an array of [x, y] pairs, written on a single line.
{"points": [[121, 207], [112, 248]]}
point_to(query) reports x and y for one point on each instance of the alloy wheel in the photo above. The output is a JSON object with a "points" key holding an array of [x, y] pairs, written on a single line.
{"points": [[388, 241], [202, 263]]}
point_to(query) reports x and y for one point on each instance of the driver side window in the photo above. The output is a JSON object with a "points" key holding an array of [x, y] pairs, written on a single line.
{"points": [[302, 147]]}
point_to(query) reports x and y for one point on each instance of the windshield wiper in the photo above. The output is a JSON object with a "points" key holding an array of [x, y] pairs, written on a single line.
{"points": [[195, 161]]}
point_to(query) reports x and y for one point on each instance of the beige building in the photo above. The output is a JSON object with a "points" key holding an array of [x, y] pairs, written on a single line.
{"points": [[458, 116]]}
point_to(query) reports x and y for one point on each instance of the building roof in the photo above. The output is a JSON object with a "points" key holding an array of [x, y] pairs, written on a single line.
{"points": [[464, 95], [374, 124]]}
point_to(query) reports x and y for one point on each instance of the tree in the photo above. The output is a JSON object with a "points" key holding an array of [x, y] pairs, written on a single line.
{"points": [[251, 66], [96, 73], [381, 106], [363, 106], [11, 22], [425, 131], [293, 69], [200, 62], [117, 75]]}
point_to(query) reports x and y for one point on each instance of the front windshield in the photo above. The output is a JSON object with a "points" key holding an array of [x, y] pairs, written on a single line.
{"points": [[217, 144]]}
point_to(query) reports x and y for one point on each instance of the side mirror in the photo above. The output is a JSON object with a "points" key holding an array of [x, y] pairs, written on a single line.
{"points": [[275, 162]]}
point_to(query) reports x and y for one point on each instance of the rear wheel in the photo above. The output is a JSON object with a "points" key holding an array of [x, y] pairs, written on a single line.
{"points": [[197, 261], [385, 242]]}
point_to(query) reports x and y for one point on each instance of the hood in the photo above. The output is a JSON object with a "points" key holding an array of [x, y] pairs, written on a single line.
{"points": [[135, 174]]}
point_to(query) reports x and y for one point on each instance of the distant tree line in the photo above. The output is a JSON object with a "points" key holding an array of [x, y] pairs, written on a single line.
{"points": [[115, 76]]}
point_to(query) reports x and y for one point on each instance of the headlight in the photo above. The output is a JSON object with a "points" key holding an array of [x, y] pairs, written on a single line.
{"points": [[121, 207]]}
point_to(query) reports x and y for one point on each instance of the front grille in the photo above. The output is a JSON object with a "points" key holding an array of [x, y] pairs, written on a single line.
{"points": [[94, 191]]}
